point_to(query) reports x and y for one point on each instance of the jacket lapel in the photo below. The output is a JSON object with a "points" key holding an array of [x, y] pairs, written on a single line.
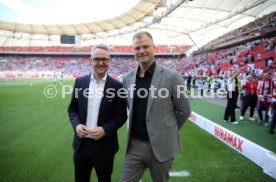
{"points": [[155, 83], [85, 87], [103, 101], [130, 83]]}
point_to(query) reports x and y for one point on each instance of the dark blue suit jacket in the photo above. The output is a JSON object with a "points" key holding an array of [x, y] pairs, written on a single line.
{"points": [[112, 112]]}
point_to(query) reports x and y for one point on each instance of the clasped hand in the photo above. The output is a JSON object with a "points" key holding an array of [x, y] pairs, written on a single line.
{"points": [[96, 133]]}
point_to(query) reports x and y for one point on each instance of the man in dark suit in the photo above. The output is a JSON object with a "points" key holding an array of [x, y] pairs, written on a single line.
{"points": [[154, 119], [96, 113]]}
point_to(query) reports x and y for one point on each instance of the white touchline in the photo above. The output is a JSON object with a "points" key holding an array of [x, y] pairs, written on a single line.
{"points": [[180, 173]]}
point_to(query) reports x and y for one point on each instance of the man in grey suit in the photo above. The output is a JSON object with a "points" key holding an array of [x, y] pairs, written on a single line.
{"points": [[158, 107]]}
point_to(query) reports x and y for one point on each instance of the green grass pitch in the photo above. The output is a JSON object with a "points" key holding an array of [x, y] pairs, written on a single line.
{"points": [[36, 142]]}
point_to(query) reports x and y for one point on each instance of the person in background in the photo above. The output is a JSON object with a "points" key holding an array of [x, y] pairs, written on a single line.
{"points": [[273, 120], [201, 86], [265, 90], [61, 78], [194, 81], [96, 113], [209, 82], [237, 84], [154, 122], [250, 97], [55, 77], [189, 80], [231, 98]]}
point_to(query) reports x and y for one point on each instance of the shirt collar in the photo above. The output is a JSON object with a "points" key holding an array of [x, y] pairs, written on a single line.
{"points": [[103, 79], [150, 70]]}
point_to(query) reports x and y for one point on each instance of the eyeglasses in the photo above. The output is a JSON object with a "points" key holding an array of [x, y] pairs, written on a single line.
{"points": [[98, 60]]}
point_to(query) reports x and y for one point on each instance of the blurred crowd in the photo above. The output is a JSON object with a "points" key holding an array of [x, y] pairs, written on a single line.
{"points": [[209, 68], [87, 49]]}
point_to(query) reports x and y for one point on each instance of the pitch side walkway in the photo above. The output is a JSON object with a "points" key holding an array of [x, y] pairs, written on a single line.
{"points": [[247, 138], [213, 109]]}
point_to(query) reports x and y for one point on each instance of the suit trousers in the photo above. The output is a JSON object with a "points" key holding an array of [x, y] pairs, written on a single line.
{"points": [[90, 155], [139, 157]]}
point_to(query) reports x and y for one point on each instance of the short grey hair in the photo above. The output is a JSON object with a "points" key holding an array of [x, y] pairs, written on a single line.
{"points": [[139, 35], [99, 46]]}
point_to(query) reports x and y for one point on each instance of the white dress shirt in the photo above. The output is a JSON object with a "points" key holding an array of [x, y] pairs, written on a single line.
{"points": [[94, 101]]}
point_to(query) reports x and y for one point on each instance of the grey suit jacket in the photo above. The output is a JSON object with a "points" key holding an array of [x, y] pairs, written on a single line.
{"points": [[166, 111]]}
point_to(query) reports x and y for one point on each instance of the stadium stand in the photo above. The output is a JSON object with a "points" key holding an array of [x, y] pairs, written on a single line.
{"points": [[73, 49], [251, 40], [252, 47]]}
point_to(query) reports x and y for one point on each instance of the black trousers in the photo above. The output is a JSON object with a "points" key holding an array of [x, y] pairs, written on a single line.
{"points": [[189, 88], [90, 155], [249, 101], [236, 101], [230, 107]]}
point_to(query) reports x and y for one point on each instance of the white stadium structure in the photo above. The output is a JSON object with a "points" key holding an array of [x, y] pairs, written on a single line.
{"points": [[198, 38], [171, 22]]}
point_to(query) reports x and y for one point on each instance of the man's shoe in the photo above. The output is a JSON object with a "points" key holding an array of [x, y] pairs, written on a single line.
{"points": [[241, 118], [235, 122], [260, 122], [266, 124], [226, 121], [251, 119]]}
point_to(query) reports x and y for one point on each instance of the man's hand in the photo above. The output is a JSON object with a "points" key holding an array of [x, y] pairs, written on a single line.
{"points": [[81, 130], [97, 133]]}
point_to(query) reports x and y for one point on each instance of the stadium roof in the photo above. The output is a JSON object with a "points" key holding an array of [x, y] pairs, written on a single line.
{"points": [[169, 21]]}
